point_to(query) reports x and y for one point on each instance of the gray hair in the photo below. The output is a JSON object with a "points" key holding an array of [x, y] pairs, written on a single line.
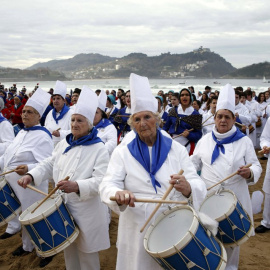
{"points": [[156, 115], [2, 104]]}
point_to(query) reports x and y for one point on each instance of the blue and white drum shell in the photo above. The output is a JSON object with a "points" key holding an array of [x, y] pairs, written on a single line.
{"points": [[177, 240], [51, 227], [235, 226], [10, 204]]}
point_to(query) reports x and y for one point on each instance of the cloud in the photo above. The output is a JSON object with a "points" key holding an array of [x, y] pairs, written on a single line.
{"points": [[44, 30]]}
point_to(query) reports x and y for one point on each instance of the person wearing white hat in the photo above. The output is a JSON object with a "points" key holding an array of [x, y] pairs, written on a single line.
{"points": [[32, 145], [83, 157], [6, 130], [224, 151], [141, 168], [265, 145], [106, 130], [58, 119]]}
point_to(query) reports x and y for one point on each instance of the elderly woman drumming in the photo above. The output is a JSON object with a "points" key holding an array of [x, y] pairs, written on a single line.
{"points": [[142, 168], [83, 157]]}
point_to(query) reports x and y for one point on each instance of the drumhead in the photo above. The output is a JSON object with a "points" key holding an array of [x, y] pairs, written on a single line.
{"points": [[217, 205], [170, 230], [47, 208]]}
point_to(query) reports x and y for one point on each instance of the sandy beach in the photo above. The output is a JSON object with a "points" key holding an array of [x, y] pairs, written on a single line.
{"points": [[254, 253]]}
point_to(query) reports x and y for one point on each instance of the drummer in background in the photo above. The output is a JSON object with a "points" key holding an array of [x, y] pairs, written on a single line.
{"points": [[106, 130], [16, 112], [224, 151], [120, 122], [6, 130], [196, 104], [163, 115], [83, 157], [142, 168], [59, 116], [111, 109], [31, 145], [75, 97], [210, 116], [265, 145], [181, 119]]}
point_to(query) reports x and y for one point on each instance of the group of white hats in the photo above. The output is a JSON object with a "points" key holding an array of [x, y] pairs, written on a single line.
{"points": [[142, 98]]}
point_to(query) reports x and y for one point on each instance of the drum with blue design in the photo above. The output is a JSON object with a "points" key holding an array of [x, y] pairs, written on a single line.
{"points": [[235, 226], [10, 204], [50, 227], [177, 240]]}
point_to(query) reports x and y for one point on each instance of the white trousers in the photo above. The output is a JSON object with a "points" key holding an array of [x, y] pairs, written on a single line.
{"points": [[78, 260], [266, 211], [14, 226], [232, 258]]}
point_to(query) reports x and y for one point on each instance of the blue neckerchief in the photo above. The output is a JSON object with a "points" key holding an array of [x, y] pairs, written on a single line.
{"points": [[139, 150], [88, 139], [2, 118], [64, 110], [39, 128], [219, 144], [103, 123]]}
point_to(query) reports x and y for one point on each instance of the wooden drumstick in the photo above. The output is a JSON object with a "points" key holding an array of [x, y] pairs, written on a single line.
{"points": [[159, 204], [8, 172], [145, 200], [123, 116], [48, 196], [231, 175], [207, 119], [262, 151], [37, 190]]}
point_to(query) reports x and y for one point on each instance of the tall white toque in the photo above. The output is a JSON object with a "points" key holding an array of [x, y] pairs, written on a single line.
{"points": [[141, 95], [60, 89], [226, 99], [39, 101], [87, 104], [102, 100]]}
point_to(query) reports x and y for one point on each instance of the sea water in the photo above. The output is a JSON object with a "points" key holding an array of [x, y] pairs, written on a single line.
{"points": [[156, 84]]}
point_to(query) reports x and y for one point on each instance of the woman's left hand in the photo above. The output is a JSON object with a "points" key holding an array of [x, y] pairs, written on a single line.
{"points": [[180, 183], [68, 186], [244, 172]]}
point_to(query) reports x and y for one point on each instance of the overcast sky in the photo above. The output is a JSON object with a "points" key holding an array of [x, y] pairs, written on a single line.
{"points": [[43, 30]]}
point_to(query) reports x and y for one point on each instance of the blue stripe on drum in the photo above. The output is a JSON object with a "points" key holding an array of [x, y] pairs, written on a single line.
{"points": [[194, 252], [53, 230], [235, 226]]}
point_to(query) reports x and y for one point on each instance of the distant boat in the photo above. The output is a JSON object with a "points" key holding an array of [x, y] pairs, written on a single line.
{"points": [[265, 81], [216, 82], [183, 82]]}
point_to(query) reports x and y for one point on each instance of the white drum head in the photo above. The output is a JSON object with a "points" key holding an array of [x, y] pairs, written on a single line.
{"points": [[170, 230], [216, 205], [47, 208]]}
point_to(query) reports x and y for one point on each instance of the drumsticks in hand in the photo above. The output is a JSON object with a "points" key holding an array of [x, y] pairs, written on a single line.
{"points": [[231, 175], [48, 196], [159, 204]]}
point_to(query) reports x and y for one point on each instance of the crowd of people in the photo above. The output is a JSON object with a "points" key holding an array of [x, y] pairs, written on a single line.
{"points": [[127, 144]]}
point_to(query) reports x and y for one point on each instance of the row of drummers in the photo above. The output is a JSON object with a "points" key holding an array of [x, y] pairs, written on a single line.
{"points": [[43, 220]]}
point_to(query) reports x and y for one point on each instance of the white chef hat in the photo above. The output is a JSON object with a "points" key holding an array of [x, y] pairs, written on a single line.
{"points": [[87, 104], [102, 100], [226, 99], [60, 89], [39, 101], [141, 95]]}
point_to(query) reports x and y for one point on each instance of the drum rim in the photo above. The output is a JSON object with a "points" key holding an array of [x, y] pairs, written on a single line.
{"points": [[10, 217], [57, 202], [231, 209], [182, 242], [3, 182]]}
